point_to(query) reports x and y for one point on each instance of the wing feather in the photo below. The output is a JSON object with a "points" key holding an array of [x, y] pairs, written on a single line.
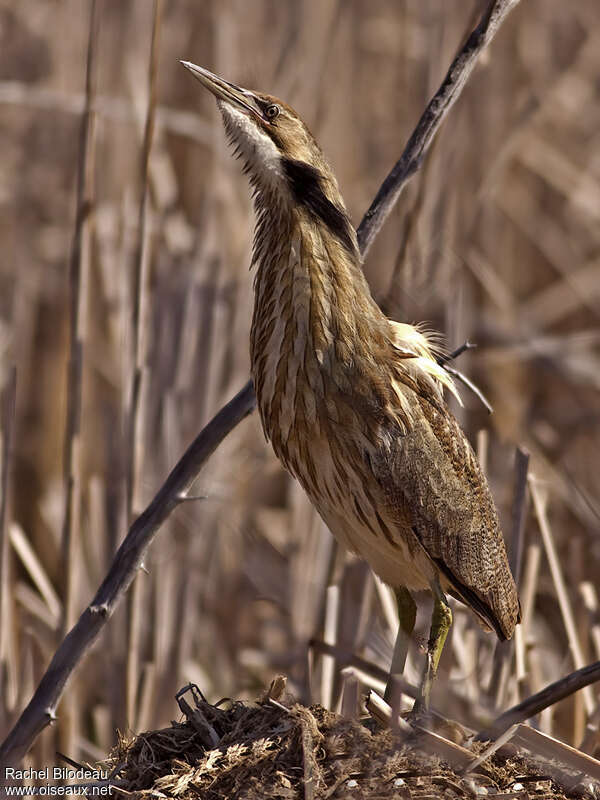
{"points": [[433, 472]]}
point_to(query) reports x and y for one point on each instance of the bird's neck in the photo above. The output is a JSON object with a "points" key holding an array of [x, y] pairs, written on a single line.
{"points": [[313, 311], [310, 277]]}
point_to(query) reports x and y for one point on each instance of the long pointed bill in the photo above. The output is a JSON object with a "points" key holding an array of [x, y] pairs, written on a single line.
{"points": [[224, 90]]}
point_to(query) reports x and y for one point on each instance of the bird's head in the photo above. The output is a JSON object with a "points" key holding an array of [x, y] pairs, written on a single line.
{"points": [[279, 152], [265, 131]]}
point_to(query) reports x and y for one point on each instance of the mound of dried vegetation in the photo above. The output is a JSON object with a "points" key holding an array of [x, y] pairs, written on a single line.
{"points": [[273, 749]]}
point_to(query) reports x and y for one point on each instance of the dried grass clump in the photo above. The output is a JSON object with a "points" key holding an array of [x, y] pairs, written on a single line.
{"points": [[268, 750]]}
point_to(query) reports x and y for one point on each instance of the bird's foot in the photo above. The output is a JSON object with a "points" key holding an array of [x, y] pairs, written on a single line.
{"points": [[419, 716]]}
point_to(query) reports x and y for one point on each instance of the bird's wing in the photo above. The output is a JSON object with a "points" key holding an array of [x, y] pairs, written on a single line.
{"points": [[433, 472], [415, 340]]}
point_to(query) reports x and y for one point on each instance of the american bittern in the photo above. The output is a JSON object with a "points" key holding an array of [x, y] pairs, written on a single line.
{"points": [[352, 401]]}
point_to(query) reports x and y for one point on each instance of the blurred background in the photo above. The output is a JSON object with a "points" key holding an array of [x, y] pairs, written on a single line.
{"points": [[496, 240]]}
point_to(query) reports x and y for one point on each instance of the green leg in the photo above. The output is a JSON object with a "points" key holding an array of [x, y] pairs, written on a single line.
{"points": [[407, 613], [441, 620]]}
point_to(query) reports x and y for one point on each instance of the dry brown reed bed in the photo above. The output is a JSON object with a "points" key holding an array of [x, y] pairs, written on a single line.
{"points": [[496, 241]]}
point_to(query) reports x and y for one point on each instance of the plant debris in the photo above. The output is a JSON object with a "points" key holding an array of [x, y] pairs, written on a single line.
{"points": [[278, 749]]}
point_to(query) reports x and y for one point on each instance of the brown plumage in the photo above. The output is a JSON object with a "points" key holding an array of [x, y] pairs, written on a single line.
{"points": [[351, 401]]}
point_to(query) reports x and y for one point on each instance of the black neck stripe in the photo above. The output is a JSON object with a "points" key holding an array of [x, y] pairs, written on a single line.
{"points": [[306, 188]]}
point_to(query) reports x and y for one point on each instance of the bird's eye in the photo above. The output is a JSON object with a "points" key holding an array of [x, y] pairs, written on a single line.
{"points": [[272, 111]]}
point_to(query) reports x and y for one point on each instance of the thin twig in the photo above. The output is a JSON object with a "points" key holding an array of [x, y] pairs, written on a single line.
{"points": [[9, 396], [350, 695], [346, 658], [589, 596], [189, 498], [504, 650], [78, 289], [443, 360], [383, 713], [554, 753], [427, 127], [69, 760], [490, 749], [137, 362], [528, 590], [140, 274], [519, 510], [195, 716], [561, 589], [476, 391], [328, 670], [308, 725], [419, 737], [33, 566]]}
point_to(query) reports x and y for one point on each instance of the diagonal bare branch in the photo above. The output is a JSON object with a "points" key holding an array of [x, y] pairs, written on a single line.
{"points": [[429, 124], [531, 706], [42, 707]]}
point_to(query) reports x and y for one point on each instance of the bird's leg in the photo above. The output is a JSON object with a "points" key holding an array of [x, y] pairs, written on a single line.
{"points": [[407, 613], [441, 620]]}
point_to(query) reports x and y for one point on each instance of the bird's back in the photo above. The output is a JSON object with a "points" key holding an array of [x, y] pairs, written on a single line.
{"points": [[434, 470]]}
